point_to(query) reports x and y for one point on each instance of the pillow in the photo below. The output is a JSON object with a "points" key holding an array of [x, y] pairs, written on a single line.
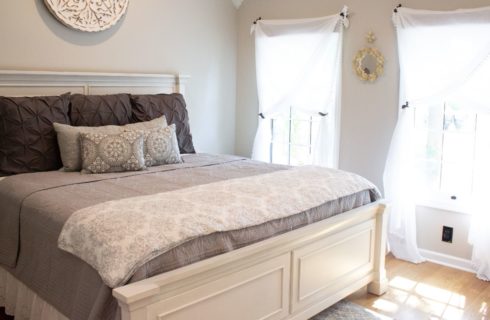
{"points": [[103, 110], [104, 153], [161, 147], [148, 107], [69, 139], [27, 138]]}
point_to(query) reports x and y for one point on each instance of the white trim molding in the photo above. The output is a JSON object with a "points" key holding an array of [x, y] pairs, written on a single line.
{"points": [[448, 260], [28, 83]]}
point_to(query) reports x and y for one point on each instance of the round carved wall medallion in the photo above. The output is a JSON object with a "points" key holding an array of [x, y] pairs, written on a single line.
{"points": [[88, 15]]}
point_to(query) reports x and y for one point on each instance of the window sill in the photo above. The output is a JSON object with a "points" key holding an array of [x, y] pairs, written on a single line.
{"points": [[459, 208]]}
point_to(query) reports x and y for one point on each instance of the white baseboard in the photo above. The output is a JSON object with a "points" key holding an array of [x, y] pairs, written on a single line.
{"points": [[447, 260]]}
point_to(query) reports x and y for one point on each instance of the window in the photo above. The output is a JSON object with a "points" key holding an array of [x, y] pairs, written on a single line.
{"points": [[452, 150], [293, 138], [298, 64]]}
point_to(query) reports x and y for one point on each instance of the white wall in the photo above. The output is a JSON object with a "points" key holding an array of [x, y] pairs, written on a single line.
{"points": [[369, 110], [192, 37]]}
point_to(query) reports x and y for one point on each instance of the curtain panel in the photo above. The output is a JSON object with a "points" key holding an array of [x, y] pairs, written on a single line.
{"points": [[298, 64], [441, 55]]}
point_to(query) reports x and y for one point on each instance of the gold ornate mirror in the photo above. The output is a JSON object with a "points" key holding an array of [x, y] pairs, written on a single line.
{"points": [[369, 62]]}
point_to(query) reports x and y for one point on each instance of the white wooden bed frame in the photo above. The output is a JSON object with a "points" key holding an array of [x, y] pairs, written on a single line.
{"points": [[291, 276]]}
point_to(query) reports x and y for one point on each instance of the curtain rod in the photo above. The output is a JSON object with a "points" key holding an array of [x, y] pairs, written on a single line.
{"points": [[342, 14], [396, 8], [322, 114]]}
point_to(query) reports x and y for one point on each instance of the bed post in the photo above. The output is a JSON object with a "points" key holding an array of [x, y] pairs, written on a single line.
{"points": [[379, 285]]}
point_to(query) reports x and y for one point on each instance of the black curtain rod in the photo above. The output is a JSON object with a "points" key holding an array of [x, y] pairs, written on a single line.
{"points": [[255, 21], [396, 9]]}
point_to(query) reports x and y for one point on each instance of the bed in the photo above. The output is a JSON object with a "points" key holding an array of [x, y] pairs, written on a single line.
{"points": [[301, 266]]}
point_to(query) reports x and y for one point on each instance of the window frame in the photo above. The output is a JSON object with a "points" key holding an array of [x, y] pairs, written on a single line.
{"points": [[290, 143], [439, 199]]}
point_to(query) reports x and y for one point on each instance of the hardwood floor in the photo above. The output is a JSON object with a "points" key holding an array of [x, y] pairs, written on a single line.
{"points": [[429, 291]]}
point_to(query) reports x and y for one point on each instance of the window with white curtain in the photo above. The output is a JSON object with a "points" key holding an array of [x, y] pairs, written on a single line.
{"points": [[298, 84], [452, 147], [440, 147]]}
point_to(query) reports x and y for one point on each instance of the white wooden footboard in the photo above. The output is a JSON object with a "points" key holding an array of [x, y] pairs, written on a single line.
{"points": [[292, 276]]}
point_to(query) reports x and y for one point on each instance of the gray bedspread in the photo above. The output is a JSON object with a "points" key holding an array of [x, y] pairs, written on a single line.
{"points": [[34, 207]]}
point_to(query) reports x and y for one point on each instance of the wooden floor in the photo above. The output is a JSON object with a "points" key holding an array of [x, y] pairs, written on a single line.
{"points": [[429, 291]]}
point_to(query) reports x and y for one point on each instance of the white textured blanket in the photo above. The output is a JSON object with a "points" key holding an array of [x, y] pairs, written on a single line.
{"points": [[117, 237]]}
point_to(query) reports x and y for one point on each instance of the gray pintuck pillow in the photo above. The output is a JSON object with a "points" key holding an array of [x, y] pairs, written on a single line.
{"points": [[103, 153], [69, 138], [161, 146]]}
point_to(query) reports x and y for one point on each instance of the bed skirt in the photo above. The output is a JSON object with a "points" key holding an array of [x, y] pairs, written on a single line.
{"points": [[22, 302]]}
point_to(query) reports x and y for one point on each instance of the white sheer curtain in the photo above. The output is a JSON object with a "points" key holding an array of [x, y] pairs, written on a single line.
{"points": [[298, 64], [440, 54]]}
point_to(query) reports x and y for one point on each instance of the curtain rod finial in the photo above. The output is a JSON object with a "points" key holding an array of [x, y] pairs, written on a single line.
{"points": [[396, 8]]}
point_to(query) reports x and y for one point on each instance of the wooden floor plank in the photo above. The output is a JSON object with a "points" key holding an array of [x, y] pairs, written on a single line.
{"points": [[429, 291]]}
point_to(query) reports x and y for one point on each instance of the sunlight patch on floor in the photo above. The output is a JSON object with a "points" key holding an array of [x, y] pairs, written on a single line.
{"points": [[439, 303]]}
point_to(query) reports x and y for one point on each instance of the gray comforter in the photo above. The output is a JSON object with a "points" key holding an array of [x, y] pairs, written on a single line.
{"points": [[35, 207]]}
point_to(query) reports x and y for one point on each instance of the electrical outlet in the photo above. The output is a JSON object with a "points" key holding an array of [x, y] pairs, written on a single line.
{"points": [[447, 234]]}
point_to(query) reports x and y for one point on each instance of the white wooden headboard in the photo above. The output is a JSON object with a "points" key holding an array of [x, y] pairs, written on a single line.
{"points": [[41, 83]]}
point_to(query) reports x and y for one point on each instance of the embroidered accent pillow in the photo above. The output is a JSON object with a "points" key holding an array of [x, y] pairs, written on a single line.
{"points": [[69, 138], [103, 153], [161, 146]]}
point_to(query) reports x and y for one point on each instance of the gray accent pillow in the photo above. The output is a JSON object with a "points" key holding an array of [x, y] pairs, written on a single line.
{"points": [[104, 153], [161, 146], [69, 139]]}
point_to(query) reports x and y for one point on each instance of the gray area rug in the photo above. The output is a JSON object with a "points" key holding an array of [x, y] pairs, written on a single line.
{"points": [[346, 310]]}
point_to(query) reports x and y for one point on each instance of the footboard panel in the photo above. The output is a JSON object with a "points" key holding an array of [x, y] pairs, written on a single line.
{"points": [[292, 276], [321, 267], [258, 292]]}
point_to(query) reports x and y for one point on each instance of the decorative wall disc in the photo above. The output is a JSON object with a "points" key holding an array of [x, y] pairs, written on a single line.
{"points": [[88, 15]]}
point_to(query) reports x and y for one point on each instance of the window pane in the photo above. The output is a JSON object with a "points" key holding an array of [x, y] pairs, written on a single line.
{"points": [[428, 145], [428, 174], [483, 124], [300, 132], [456, 178], [300, 155], [298, 115], [430, 118], [482, 155], [280, 130], [280, 153], [457, 119], [481, 178], [458, 147]]}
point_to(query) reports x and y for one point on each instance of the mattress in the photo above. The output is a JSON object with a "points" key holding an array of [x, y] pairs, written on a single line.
{"points": [[35, 207]]}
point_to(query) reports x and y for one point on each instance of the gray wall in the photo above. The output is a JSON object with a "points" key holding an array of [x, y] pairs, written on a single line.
{"points": [[192, 37], [203, 38], [369, 110]]}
